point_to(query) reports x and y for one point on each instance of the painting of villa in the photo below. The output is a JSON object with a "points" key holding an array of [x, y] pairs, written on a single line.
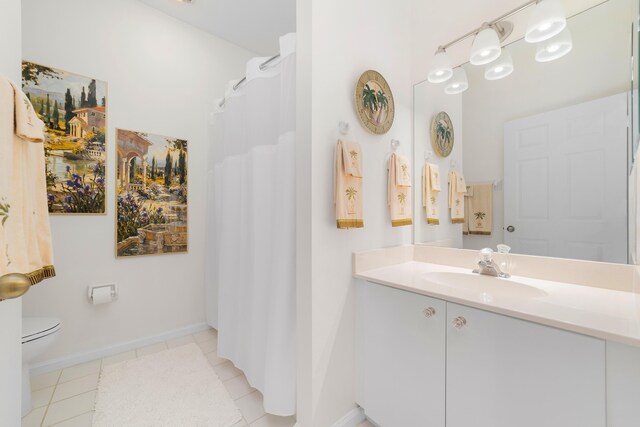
{"points": [[152, 173], [74, 111]]}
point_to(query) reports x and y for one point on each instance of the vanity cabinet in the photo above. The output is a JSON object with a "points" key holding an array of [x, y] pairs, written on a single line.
{"points": [[400, 343], [506, 372], [462, 367]]}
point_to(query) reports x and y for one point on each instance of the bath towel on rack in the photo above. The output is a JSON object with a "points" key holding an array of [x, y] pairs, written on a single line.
{"points": [[348, 185], [430, 193], [479, 218], [399, 190], [457, 190], [25, 234]]}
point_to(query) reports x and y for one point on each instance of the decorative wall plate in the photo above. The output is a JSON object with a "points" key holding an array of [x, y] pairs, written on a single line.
{"points": [[374, 102], [442, 134]]}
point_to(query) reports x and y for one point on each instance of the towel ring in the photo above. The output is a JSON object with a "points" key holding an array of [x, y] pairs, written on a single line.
{"points": [[395, 143], [428, 155], [343, 128]]}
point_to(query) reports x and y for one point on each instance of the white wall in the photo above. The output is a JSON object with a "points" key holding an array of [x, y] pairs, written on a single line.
{"points": [[163, 76], [597, 67], [429, 100], [344, 39], [10, 310]]}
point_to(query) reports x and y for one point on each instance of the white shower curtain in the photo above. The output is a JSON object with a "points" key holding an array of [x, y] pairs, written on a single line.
{"points": [[252, 228]]}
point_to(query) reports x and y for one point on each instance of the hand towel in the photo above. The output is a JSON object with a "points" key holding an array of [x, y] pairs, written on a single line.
{"points": [[457, 190], [348, 185], [430, 192], [467, 195], [25, 233], [480, 217], [399, 190]]}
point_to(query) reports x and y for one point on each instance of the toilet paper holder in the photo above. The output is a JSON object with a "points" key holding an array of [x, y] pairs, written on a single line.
{"points": [[102, 293]]}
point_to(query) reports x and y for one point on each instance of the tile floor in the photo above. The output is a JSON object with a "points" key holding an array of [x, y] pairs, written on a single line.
{"points": [[65, 398]]}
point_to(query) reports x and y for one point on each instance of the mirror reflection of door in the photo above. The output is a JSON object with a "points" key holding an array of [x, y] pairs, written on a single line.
{"points": [[565, 182]]}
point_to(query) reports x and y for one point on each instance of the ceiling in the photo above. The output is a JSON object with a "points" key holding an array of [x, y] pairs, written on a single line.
{"points": [[255, 25]]}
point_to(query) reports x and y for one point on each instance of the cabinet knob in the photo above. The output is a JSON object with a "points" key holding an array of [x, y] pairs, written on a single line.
{"points": [[459, 322], [429, 312]]}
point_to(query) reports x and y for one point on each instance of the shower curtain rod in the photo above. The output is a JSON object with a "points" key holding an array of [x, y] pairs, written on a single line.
{"points": [[262, 66]]}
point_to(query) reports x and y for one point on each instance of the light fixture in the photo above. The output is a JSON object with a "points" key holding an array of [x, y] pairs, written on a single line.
{"points": [[458, 83], [500, 68], [441, 70], [486, 46], [555, 48], [548, 19]]}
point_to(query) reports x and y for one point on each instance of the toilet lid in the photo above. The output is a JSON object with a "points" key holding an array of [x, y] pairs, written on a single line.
{"points": [[38, 327]]}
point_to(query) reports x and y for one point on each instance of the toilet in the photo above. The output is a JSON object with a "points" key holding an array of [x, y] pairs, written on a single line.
{"points": [[38, 333]]}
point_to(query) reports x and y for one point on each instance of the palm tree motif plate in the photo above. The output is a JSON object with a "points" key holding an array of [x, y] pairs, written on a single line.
{"points": [[374, 102], [442, 134]]}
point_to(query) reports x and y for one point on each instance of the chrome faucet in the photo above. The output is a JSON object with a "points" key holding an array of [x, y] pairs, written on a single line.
{"points": [[487, 267]]}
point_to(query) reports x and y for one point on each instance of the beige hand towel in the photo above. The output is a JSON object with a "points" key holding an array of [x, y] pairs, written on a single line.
{"points": [[430, 192], [25, 234], [348, 185], [467, 196], [480, 215], [399, 191], [457, 190]]}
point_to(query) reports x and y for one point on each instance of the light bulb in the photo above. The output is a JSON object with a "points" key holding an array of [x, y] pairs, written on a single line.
{"points": [[545, 26]]}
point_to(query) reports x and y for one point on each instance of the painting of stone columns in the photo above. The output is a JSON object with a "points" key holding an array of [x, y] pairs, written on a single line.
{"points": [[151, 187]]}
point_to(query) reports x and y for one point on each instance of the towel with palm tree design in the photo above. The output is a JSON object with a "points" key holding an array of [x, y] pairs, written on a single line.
{"points": [[399, 191], [348, 185], [479, 216], [457, 191], [430, 193]]}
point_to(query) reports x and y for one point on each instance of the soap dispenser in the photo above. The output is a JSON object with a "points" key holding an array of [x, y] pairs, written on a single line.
{"points": [[504, 258]]}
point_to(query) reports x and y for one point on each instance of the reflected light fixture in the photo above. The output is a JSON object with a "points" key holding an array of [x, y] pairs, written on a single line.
{"points": [[547, 20], [441, 70], [486, 46], [500, 68], [458, 83], [555, 48]]}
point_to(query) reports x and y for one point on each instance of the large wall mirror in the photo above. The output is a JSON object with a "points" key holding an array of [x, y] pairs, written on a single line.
{"points": [[547, 153]]}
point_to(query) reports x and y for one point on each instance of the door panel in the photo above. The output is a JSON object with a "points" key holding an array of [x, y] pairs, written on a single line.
{"points": [[565, 182], [505, 372]]}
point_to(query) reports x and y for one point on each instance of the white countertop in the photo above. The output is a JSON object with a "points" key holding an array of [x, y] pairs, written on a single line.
{"points": [[607, 314]]}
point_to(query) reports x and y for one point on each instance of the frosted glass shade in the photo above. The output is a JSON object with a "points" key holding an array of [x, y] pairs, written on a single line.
{"points": [[486, 47], [458, 83], [548, 19], [500, 68], [555, 48], [441, 70]]}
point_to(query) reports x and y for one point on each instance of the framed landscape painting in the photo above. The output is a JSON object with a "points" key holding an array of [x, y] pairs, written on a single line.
{"points": [[74, 110], [151, 182]]}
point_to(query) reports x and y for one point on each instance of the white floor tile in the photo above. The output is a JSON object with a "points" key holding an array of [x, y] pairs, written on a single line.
{"points": [[251, 406], [208, 346], [206, 335], [84, 420], [45, 380], [226, 371], [238, 387], [214, 359], [34, 418], [177, 342], [79, 371], [150, 349], [42, 397], [69, 408], [75, 387], [120, 357], [274, 421]]}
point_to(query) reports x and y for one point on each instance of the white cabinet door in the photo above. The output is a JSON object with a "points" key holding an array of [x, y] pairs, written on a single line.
{"points": [[504, 372], [401, 357]]}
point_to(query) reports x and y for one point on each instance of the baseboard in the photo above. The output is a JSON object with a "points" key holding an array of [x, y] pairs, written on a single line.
{"points": [[351, 419], [65, 362]]}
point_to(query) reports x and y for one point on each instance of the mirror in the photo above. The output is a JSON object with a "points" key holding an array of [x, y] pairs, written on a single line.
{"points": [[546, 152]]}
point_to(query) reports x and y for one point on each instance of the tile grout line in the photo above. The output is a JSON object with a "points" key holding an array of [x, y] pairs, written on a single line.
{"points": [[46, 410]]}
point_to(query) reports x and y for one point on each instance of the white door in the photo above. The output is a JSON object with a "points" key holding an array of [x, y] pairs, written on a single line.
{"points": [[565, 182], [505, 372], [400, 357]]}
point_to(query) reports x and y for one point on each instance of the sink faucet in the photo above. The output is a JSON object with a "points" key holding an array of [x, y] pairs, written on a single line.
{"points": [[487, 267]]}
